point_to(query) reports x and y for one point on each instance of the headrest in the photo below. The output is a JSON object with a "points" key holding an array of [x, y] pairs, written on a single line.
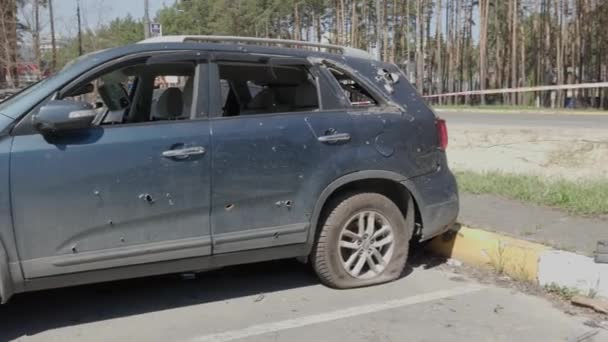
{"points": [[306, 96], [188, 96], [264, 100], [170, 104]]}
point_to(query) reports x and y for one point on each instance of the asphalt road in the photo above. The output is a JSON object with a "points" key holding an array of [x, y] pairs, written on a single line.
{"points": [[283, 301], [526, 120]]}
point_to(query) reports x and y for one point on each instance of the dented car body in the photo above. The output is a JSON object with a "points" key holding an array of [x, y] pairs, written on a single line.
{"points": [[233, 161]]}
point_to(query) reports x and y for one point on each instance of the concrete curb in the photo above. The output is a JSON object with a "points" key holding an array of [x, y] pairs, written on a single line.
{"points": [[523, 260]]}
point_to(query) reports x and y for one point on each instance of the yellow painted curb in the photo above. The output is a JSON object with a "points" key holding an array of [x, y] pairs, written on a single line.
{"points": [[513, 257]]}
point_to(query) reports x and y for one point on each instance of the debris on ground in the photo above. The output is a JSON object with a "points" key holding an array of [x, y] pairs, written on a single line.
{"points": [[488, 276], [597, 324], [458, 279], [498, 309], [601, 254], [259, 298], [454, 263], [586, 336], [597, 304]]}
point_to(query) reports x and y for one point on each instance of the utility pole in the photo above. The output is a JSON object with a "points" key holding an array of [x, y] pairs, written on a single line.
{"points": [[79, 28], [146, 19]]}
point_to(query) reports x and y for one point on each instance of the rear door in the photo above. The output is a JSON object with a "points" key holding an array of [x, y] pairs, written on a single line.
{"points": [[133, 190], [273, 151]]}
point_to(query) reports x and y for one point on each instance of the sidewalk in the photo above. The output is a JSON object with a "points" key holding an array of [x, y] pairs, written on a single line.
{"points": [[533, 223], [527, 242]]}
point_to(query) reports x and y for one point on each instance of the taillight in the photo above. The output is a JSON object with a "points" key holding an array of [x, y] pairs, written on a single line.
{"points": [[442, 133]]}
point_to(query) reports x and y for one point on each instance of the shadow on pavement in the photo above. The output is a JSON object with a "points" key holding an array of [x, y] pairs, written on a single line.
{"points": [[421, 255], [36, 312], [33, 313]]}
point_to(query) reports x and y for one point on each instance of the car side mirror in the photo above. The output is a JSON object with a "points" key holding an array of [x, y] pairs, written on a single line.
{"points": [[59, 116]]}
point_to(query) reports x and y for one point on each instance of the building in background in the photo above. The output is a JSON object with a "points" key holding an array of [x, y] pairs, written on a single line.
{"points": [[46, 44]]}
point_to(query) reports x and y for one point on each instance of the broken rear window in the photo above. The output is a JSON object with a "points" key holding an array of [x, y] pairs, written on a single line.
{"points": [[356, 94]]}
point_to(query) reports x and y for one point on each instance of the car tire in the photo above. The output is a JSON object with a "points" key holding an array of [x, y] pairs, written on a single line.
{"points": [[341, 245]]}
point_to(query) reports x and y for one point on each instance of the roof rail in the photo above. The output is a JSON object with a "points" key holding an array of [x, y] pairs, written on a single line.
{"points": [[347, 51]]}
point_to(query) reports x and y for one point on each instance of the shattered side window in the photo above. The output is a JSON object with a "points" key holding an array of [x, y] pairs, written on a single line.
{"points": [[251, 89], [356, 94]]}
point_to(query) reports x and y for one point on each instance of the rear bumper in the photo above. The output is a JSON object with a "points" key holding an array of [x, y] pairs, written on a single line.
{"points": [[437, 197]]}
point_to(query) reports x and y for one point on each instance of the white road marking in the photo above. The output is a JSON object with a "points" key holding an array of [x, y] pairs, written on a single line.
{"points": [[261, 329]]}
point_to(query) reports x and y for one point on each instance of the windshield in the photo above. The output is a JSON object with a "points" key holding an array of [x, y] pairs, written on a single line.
{"points": [[23, 93], [29, 97]]}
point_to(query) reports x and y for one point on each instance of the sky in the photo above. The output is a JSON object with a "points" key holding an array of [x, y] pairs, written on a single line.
{"points": [[96, 13]]}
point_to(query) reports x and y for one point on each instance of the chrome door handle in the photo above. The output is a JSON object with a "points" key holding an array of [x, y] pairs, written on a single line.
{"points": [[334, 138], [184, 153]]}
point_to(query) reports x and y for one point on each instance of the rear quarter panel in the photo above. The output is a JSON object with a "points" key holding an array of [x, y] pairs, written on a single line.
{"points": [[413, 134]]}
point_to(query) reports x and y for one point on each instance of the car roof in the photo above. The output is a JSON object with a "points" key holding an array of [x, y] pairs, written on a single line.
{"points": [[279, 47], [268, 43]]}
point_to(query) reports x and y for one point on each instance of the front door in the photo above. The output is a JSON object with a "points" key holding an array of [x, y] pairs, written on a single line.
{"points": [[134, 189]]}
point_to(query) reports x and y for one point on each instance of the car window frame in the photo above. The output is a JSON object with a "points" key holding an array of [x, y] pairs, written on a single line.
{"points": [[199, 111], [215, 105], [379, 97]]}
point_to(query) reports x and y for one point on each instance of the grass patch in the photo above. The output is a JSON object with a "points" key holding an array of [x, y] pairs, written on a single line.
{"points": [[581, 198], [565, 293]]}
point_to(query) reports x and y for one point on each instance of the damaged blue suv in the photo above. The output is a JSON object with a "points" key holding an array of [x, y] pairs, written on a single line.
{"points": [[187, 153]]}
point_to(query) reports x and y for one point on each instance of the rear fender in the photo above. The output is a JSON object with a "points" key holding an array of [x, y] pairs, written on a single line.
{"points": [[353, 177]]}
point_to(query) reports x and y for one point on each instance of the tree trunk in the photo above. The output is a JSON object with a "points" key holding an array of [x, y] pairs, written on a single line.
{"points": [[379, 29], [8, 43], [386, 31], [354, 22], [439, 38], [419, 46], [514, 29], [408, 39], [342, 23], [522, 62], [395, 25], [500, 61], [461, 15], [539, 42], [547, 50], [53, 42], [36, 37], [559, 58], [7, 18], [484, 9], [297, 29], [451, 54], [469, 49], [427, 46]]}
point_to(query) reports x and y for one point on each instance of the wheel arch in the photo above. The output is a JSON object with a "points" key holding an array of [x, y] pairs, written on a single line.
{"points": [[391, 184]]}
